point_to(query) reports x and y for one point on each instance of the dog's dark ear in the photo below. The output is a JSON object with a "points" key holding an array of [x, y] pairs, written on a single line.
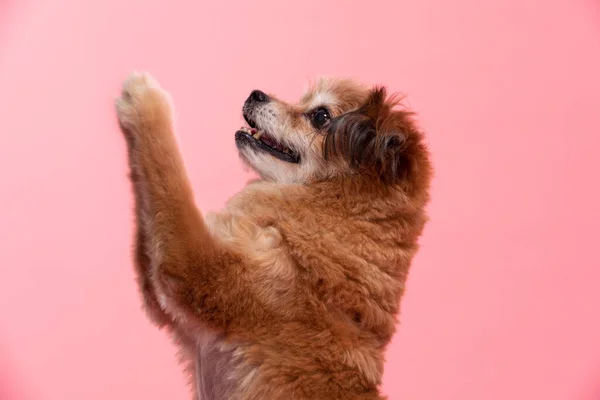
{"points": [[378, 140]]}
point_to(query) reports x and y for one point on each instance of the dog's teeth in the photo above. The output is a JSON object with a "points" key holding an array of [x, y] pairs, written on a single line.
{"points": [[247, 130], [257, 135]]}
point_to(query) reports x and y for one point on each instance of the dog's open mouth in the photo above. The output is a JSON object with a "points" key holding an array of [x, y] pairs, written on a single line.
{"points": [[262, 140]]}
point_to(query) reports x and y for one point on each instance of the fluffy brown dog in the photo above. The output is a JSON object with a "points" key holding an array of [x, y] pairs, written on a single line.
{"points": [[292, 291]]}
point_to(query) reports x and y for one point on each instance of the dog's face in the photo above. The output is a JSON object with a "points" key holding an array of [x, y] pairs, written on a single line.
{"points": [[338, 128]]}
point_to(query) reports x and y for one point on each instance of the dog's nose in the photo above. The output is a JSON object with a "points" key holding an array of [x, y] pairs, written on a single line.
{"points": [[258, 96]]}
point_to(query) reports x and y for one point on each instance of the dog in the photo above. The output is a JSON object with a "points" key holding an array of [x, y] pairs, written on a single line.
{"points": [[292, 291]]}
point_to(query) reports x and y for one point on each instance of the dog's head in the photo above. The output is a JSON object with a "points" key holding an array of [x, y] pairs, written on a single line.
{"points": [[339, 128]]}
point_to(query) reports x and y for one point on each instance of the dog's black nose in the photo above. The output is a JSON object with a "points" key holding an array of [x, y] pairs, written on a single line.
{"points": [[258, 96]]}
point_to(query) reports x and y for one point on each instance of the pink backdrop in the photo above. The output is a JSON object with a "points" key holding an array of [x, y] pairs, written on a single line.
{"points": [[503, 301]]}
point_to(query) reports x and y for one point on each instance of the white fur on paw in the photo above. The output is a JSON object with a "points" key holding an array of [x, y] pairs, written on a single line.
{"points": [[137, 83], [141, 98]]}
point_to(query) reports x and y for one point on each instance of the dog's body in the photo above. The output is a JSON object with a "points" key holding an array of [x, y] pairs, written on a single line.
{"points": [[292, 291]]}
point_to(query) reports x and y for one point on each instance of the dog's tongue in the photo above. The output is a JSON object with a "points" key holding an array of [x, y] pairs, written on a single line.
{"points": [[267, 140]]}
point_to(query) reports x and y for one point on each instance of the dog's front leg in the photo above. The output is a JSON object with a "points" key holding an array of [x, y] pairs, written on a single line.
{"points": [[192, 276]]}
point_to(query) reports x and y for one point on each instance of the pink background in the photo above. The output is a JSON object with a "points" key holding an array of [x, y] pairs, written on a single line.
{"points": [[503, 301]]}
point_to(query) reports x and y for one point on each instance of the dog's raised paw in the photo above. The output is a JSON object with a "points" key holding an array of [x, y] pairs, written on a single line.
{"points": [[142, 102]]}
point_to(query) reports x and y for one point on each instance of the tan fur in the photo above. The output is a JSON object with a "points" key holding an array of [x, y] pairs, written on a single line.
{"points": [[292, 291]]}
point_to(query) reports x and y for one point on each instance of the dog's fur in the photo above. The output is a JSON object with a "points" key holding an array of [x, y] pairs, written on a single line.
{"points": [[292, 291]]}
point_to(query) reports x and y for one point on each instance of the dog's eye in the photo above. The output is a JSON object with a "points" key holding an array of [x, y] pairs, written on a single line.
{"points": [[320, 117]]}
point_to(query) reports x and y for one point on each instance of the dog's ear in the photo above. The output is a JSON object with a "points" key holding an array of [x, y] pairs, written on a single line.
{"points": [[378, 140]]}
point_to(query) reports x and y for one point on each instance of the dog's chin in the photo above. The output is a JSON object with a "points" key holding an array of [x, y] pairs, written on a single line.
{"points": [[248, 159], [265, 166], [270, 168]]}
